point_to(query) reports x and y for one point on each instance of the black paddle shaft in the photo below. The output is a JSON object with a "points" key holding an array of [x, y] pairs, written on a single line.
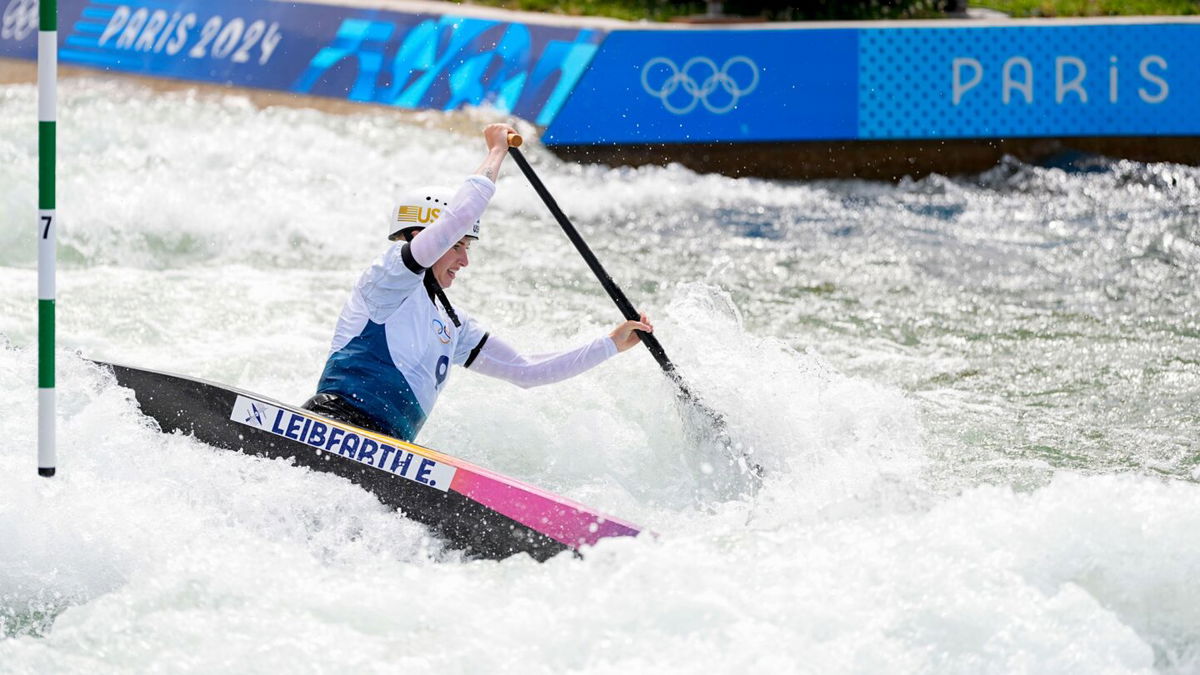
{"points": [[715, 427], [610, 286]]}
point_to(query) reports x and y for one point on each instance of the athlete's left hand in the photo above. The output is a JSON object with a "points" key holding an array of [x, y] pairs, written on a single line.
{"points": [[624, 336]]}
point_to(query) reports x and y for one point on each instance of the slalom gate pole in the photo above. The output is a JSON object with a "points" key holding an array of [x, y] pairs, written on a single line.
{"points": [[47, 69]]}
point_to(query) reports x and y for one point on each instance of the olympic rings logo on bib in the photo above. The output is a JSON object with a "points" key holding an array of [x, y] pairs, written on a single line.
{"points": [[443, 333], [700, 81], [20, 19]]}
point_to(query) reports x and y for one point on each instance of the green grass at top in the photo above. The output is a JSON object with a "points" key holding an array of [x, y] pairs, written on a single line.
{"points": [[629, 10], [794, 10], [664, 10], [1026, 8]]}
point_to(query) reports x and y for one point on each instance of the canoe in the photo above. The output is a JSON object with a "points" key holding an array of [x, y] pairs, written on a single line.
{"points": [[479, 511]]}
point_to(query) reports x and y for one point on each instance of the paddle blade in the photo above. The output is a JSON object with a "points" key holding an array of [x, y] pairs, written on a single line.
{"points": [[724, 469]]}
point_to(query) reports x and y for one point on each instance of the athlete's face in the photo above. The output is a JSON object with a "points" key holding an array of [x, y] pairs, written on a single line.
{"points": [[447, 266]]}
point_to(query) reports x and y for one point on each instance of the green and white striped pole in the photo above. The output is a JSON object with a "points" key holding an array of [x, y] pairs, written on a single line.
{"points": [[47, 235]]}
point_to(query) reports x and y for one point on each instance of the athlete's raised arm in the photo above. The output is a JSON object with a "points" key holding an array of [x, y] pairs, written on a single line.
{"points": [[459, 218], [496, 136], [425, 223]]}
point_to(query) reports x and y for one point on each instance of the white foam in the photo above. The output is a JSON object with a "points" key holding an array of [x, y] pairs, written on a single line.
{"points": [[218, 240]]}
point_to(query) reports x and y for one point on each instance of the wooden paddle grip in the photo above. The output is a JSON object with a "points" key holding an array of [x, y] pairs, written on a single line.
{"points": [[515, 140]]}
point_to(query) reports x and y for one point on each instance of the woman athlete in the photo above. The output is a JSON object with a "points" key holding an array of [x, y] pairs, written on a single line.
{"points": [[398, 336]]}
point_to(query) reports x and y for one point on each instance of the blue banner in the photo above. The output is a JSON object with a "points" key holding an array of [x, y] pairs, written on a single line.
{"points": [[18, 29], [441, 62], [734, 84], [714, 85], [799, 84], [1089, 80]]}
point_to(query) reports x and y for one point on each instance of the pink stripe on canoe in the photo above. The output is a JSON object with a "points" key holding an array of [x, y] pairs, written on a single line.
{"points": [[562, 520]]}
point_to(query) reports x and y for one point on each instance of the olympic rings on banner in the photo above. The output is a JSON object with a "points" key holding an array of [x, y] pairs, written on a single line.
{"points": [[20, 19], [699, 78]]}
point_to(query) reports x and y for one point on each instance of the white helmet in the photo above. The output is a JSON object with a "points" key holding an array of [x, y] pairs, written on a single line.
{"points": [[419, 208]]}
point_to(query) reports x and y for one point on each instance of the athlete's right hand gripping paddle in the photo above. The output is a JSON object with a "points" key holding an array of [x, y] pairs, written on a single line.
{"points": [[706, 426]]}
